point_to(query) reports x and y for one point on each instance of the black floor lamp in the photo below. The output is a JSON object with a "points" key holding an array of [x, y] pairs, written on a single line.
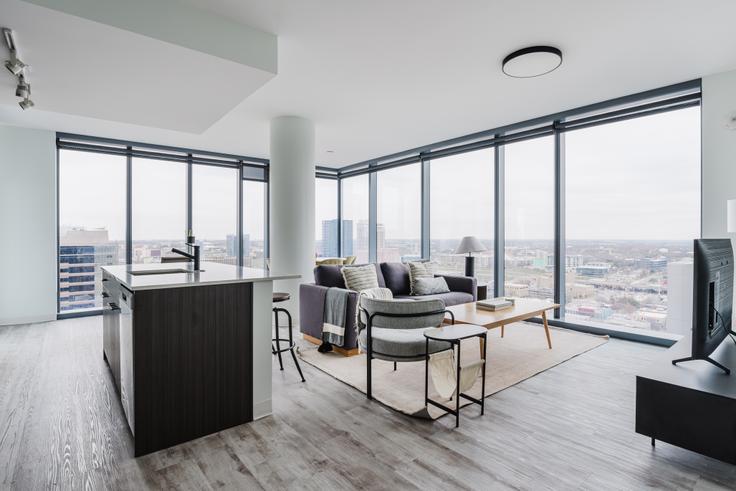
{"points": [[468, 246]]}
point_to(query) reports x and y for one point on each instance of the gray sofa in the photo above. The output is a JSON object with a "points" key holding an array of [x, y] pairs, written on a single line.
{"points": [[394, 276]]}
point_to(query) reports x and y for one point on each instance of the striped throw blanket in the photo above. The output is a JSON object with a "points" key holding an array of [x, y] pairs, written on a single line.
{"points": [[377, 293], [336, 312]]}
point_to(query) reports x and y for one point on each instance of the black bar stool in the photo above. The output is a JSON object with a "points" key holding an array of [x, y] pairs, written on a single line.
{"points": [[278, 349]]}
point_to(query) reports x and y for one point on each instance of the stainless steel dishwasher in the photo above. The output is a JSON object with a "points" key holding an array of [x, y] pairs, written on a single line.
{"points": [[127, 392]]}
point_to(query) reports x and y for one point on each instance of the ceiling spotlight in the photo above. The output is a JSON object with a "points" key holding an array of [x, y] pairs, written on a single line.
{"points": [[15, 66], [26, 104], [532, 62], [9, 40], [23, 89]]}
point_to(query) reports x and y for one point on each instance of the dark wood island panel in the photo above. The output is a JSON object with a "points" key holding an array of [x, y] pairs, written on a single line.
{"points": [[192, 368]]}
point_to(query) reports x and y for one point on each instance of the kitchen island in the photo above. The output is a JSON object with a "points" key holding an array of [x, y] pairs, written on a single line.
{"points": [[189, 351]]}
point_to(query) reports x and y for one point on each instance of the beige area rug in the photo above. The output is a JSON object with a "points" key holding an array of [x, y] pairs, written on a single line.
{"points": [[519, 355]]}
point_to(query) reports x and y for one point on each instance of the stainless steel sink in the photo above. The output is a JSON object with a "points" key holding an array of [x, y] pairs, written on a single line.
{"points": [[145, 272]]}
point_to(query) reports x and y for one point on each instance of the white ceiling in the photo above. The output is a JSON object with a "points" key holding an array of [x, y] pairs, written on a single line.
{"points": [[382, 76], [87, 68]]}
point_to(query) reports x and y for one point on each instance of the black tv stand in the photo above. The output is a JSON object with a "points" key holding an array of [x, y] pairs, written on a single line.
{"points": [[691, 407], [707, 358]]}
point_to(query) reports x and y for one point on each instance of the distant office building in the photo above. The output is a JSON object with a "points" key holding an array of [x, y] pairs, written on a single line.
{"points": [[538, 263], [329, 246], [347, 238], [230, 255], [231, 247], [362, 234], [596, 270], [572, 261], [652, 264], [380, 236], [679, 297], [597, 312], [76, 277], [80, 252], [246, 246]]}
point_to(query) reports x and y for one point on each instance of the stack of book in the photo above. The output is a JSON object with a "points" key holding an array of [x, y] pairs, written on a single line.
{"points": [[494, 304]]}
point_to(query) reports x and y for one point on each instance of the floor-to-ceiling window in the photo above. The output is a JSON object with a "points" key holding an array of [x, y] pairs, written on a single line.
{"points": [[461, 204], [355, 218], [92, 224], [633, 209], [214, 212], [399, 219], [254, 223], [325, 218], [607, 193], [159, 208], [529, 196], [122, 202]]}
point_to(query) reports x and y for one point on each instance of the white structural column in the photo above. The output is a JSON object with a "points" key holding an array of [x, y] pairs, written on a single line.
{"points": [[292, 204]]}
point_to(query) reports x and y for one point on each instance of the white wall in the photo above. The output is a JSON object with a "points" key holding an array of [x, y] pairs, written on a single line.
{"points": [[27, 225], [719, 152]]}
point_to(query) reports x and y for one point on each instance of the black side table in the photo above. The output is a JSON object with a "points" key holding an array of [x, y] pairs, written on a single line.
{"points": [[482, 291], [453, 334]]}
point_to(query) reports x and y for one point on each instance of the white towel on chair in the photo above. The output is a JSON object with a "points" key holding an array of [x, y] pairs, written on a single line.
{"points": [[377, 293], [444, 377]]}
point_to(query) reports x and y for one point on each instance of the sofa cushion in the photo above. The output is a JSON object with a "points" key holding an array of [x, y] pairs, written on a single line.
{"points": [[396, 276], [419, 269], [329, 276], [430, 286], [331, 261], [360, 278], [450, 298]]}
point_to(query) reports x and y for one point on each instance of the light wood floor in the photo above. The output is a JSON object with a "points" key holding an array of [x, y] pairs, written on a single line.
{"points": [[570, 427]]}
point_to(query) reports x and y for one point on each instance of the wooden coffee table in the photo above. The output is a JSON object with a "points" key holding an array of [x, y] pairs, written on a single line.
{"points": [[523, 309]]}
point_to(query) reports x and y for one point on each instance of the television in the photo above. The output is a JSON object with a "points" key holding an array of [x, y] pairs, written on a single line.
{"points": [[712, 298]]}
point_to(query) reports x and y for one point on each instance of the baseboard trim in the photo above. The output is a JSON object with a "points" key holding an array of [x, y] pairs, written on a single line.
{"points": [[27, 320], [342, 351], [262, 409]]}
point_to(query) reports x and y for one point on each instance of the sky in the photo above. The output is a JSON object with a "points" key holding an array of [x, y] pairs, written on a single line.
{"points": [[635, 180], [92, 195], [638, 180]]}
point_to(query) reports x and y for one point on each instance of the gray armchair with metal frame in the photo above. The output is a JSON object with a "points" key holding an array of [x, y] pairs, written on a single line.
{"points": [[394, 330]]}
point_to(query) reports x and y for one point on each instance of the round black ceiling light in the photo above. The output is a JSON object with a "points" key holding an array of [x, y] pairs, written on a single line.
{"points": [[532, 61]]}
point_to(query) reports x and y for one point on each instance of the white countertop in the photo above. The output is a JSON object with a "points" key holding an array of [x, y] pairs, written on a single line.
{"points": [[209, 274]]}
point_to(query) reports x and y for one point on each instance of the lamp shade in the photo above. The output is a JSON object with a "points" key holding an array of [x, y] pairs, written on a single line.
{"points": [[731, 215], [469, 244]]}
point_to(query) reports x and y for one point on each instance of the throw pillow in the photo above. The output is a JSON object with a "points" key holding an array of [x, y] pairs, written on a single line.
{"points": [[359, 278], [419, 270], [328, 262], [430, 286]]}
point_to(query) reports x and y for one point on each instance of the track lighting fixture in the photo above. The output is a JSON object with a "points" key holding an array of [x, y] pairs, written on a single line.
{"points": [[17, 68], [26, 104], [9, 40], [23, 89]]}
